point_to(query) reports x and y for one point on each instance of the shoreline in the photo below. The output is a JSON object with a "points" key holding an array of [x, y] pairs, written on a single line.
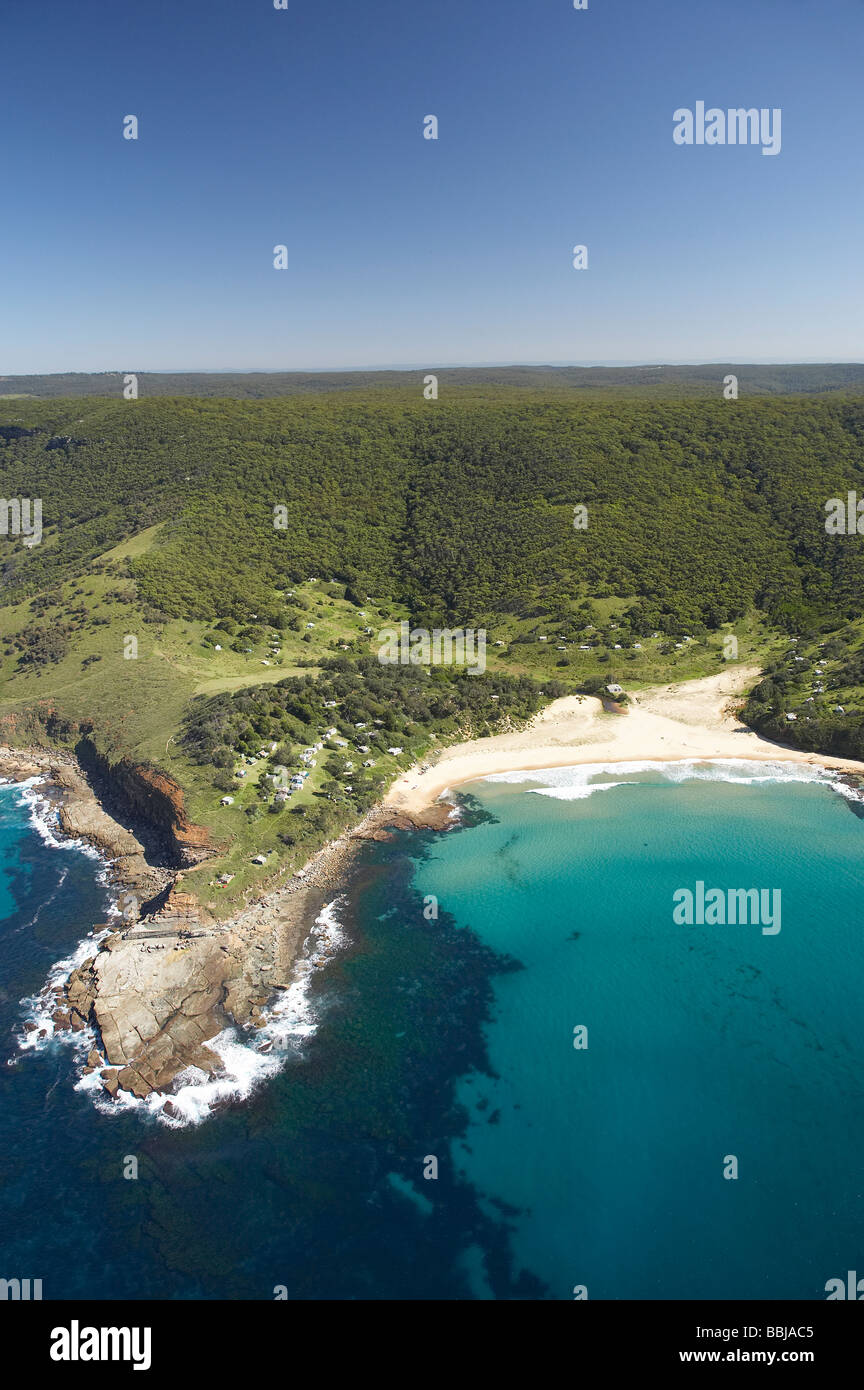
{"points": [[82, 817], [166, 980], [693, 721]]}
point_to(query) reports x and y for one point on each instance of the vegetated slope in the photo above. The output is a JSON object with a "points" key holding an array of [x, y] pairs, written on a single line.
{"points": [[700, 510], [229, 536]]}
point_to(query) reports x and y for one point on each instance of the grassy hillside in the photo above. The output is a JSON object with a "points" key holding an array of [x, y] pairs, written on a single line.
{"points": [[205, 562]]}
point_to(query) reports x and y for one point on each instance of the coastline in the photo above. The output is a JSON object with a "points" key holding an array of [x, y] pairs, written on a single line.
{"points": [[166, 980], [691, 721], [164, 986], [82, 817]]}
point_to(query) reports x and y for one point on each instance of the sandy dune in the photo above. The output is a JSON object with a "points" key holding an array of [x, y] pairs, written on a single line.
{"points": [[695, 719]]}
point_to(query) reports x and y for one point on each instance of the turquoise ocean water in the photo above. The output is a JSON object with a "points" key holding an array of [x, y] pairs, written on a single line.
{"points": [[451, 1037], [703, 1041]]}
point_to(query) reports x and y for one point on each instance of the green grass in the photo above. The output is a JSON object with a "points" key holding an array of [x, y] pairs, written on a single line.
{"points": [[137, 704]]}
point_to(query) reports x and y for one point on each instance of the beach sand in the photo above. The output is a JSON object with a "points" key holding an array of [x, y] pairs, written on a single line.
{"points": [[663, 723]]}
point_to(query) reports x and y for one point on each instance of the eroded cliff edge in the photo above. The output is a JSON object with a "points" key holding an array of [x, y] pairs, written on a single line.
{"points": [[167, 978]]}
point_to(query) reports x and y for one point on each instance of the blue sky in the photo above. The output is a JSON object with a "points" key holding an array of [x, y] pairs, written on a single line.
{"points": [[304, 127]]}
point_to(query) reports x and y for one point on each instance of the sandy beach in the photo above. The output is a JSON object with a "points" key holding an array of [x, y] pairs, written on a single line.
{"points": [[664, 723]]}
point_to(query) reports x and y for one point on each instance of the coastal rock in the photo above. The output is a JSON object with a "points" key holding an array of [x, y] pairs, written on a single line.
{"points": [[435, 817], [85, 820], [134, 870], [161, 993], [159, 989], [130, 1080], [19, 770]]}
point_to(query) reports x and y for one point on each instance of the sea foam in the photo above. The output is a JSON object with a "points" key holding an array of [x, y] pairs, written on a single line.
{"points": [[249, 1056], [38, 1008], [577, 782]]}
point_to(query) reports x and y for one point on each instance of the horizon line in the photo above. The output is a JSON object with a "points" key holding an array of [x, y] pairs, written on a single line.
{"points": [[583, 364]]}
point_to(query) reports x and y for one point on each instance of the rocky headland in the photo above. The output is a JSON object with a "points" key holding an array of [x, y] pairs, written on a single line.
{"points": [[166, 978]]}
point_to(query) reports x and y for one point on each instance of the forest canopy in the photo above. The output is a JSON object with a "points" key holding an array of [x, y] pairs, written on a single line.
{"points": [[462, 509]]}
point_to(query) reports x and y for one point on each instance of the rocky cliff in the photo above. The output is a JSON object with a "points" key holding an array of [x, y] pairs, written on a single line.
{"points": [[157, 993], [132, 793], [151, 800]]}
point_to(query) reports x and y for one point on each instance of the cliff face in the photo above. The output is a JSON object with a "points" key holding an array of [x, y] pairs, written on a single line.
{"points": [[150, 799]]}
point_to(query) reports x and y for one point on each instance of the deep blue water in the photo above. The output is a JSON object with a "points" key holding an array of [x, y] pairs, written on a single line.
{"points": [[452, 1038]]}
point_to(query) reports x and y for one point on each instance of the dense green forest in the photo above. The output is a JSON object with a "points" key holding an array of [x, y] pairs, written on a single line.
{"points": [[700, 510], [227, 536]]}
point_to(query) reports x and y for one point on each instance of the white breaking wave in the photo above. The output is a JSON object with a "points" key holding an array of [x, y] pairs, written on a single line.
{"points": [[249, 1056], [38, 1008], [44, 817], [579, 793], [576, 783]]}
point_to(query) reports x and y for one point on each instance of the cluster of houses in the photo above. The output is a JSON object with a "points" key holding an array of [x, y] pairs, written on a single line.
{"points": [[309, 759], [818, 689], [616, 646]]}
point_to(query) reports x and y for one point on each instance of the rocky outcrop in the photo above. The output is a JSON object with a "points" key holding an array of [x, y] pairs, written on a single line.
{"points": [[139, 795], [157, 993], [380, 826], [85, 820]]}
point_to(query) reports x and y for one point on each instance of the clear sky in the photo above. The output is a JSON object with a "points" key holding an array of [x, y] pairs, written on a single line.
{"points": [[305, 127]]}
